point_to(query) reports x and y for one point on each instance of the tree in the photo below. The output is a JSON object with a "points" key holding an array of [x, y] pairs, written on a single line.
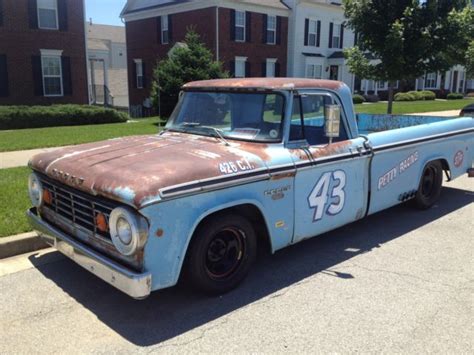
{"points": [[188, 62], [407, 38], [470, 60]]}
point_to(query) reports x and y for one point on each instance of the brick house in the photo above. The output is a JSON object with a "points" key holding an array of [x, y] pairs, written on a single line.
{"points": [[249, 37], [42, 52]]}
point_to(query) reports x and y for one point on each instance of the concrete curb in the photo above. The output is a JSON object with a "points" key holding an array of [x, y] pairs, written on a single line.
{"points": [[20, 244]]}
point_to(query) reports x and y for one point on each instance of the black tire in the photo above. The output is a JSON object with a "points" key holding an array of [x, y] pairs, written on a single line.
{"points": [[221, 254], [430, 185]]}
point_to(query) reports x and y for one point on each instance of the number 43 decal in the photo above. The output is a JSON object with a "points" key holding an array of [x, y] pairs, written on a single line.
{"points": [[319, 196]]}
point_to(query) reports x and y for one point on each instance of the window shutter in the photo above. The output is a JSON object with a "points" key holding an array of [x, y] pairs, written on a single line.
{"points": [[265, 27], [67, 80], [232, 68], [62, 15], [3, 76], [32, 14], [134, 75], [318, 39], [1, 12], [306, 32], [158, 29], [278, 30], [331, 29], [264, 69], [144, 75], [248, 73], [355, 38], [37, 75], [277, 69], [170, 28], [342, 37], [248, 26], [232, 25]]}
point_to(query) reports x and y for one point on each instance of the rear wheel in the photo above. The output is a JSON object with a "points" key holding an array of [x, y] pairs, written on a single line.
{"points": [[429, 189], [221, 253]]}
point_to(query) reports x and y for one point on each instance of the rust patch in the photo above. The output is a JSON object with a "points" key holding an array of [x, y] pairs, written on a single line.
{"points": [[265, 83], [282, 176], [330, 149], [159, 233]]}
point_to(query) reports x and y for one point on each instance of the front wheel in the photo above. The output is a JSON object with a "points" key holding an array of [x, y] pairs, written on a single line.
{"points": [[429, 189], [221, 253]]}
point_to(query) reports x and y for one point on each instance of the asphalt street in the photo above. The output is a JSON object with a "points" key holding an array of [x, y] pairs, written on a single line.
{"points": [[401, 281]]}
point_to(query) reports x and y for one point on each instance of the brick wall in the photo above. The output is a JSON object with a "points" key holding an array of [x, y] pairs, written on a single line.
{"points": [[143, 43], [19, 43]]}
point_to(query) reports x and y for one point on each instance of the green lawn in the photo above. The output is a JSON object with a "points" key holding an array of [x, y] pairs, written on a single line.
{"points": [[22, 139], [413, 106], [14, 201]]}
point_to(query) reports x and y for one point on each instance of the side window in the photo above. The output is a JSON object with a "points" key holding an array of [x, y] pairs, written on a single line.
{"points": [[307, 121]]}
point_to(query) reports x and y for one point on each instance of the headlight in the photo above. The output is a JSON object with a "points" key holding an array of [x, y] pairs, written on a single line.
{"points": [[35, 190], [125, 229]]}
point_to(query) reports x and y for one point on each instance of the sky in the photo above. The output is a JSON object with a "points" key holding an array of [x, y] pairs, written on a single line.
{"points": [[105, 12]]}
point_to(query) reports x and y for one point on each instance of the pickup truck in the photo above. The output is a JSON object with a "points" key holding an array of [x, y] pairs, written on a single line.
{"points": [[241, 163]]}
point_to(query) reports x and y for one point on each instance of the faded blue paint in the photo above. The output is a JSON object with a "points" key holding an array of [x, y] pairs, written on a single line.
{"points": [[290, 219]]}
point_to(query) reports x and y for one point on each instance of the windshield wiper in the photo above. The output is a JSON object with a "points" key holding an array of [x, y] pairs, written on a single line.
{"points": [[219, 133]]}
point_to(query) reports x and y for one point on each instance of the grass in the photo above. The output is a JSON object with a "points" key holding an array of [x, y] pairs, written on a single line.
{"points": [[23, 139], [14, 201], [413, 106]]}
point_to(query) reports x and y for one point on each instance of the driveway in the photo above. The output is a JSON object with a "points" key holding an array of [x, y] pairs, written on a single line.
{"points": [[401, 281]]}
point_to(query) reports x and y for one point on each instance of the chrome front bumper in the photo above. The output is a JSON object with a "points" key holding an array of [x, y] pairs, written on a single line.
{"points": [[136, 285]]}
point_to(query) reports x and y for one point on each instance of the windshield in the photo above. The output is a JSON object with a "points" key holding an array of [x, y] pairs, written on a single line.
{"points": [[247, 116]]}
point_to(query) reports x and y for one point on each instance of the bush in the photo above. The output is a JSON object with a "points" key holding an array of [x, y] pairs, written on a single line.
{"points": [[404, 96], [471, 94], [358, 99], [455, 96], [428, 95], [416, 94], [371, 98], [18, 117]]}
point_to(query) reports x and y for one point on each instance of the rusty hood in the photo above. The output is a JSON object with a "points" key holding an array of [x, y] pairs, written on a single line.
{"points": [[133, 170]]}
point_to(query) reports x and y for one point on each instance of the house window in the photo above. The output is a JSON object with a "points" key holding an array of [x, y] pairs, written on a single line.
{"points": [[336, 36], [271, 68], [165, 34], [431, 80], [240, 26], [52, 75], [312, 33], [240, 65], [48, 14], [314, 71], [139, 71], [381, 85], [271, 29]]}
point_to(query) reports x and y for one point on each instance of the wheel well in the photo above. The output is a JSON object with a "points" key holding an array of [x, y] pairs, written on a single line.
{"points": [[253, 214]]}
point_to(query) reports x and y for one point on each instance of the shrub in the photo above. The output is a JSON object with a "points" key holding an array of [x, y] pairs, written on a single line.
{"points": [[428, 95], [471, 94], [358, 99], [371, 98], [404, 96], [416, 94], [18, 117], [455, 96]]}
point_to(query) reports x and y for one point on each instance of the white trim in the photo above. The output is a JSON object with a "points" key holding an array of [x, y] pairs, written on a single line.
{"points": [[53, 76], [240, 60], [274, 30], [202, 4], [47, 8], [163, 29], [271, 61], [51, 52]]}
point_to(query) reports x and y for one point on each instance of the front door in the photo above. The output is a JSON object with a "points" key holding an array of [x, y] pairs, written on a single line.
{"points": [[334, 72], [331, 182]]}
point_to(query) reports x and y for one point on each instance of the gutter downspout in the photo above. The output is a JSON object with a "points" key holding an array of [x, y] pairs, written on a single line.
{"points": [[217, 34]]}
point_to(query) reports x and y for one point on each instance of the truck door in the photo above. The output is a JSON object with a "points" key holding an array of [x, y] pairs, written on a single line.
{"points": [[331, 182]]}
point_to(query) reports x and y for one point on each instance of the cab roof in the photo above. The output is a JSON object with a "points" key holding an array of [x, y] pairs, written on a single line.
{"points": [[264, 83]]}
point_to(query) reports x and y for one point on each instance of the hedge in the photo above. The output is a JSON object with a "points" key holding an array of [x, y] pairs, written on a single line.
{"points": [[455, 96], [358, 99], [404, 96], [18, 117], [415, 95], [428, 95]]}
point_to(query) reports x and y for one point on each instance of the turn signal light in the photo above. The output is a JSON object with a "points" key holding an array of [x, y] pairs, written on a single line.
{"points": [[101, 222], [47, 197]]}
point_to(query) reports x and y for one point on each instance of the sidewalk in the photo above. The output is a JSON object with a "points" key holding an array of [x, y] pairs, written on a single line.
{"points": [[450, 113], [20, 158]]}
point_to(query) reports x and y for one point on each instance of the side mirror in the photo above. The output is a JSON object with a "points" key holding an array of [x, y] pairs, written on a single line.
{"points": [[332, 121]]}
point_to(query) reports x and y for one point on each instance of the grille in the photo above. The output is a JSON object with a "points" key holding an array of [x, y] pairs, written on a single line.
{"points": [[76, 207]]}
